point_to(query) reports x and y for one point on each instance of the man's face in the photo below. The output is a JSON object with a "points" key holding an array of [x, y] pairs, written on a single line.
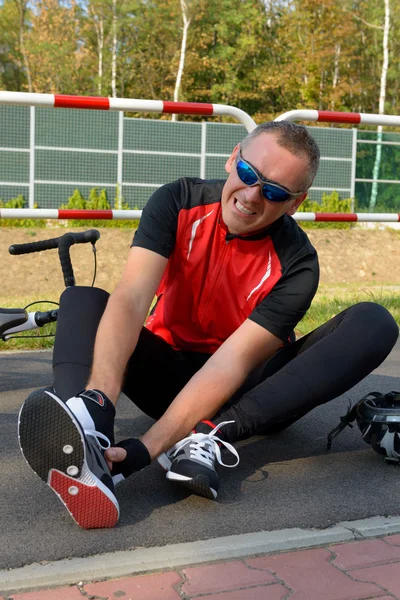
{"points": [[244, 208]]}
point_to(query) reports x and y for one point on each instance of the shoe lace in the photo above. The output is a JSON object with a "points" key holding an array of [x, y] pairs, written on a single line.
{"points": [[204, 451], [97, 436]]}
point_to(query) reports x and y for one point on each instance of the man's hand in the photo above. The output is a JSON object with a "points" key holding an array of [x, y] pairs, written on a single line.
{"points": [[114, 455]]}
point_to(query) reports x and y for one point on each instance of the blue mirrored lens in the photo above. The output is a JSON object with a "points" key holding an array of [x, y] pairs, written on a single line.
{"points": [[246, 173], [274, 194]]}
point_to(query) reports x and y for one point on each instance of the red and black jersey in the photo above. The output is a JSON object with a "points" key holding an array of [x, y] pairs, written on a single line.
{"points": [[215, 280]]}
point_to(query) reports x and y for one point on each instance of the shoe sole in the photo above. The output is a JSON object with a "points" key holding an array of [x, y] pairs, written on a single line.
{"points": [[53, 443], [164, 461], [200, 484]]}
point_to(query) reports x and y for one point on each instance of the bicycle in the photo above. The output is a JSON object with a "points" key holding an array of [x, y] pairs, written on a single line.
{"points": [[17, 320]]}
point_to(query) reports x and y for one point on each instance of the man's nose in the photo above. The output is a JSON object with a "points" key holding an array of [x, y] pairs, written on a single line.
{"points": [[254, 194]]}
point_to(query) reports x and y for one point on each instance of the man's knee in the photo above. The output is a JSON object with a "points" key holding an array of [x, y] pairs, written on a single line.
{"points": [[377, 321]]}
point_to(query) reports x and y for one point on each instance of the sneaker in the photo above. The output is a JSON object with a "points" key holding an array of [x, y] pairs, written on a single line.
{"points": [[191, 462], [69, 459]]}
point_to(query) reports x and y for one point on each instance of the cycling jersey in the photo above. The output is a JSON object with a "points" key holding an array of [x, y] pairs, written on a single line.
{"points": [[214, 280]]}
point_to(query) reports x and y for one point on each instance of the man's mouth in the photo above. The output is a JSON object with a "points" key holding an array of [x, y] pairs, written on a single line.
{"points": [[243, 209]]}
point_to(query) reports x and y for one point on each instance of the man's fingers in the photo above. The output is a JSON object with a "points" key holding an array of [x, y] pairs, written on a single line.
{"points": [[114, 455]]}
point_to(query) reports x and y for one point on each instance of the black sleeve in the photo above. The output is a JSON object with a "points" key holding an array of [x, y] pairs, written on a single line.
{"points": [[289, 300], [159, 222]]}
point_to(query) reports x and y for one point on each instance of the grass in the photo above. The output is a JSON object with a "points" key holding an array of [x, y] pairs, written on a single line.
{"points": [[329, 301], [34, 341]]}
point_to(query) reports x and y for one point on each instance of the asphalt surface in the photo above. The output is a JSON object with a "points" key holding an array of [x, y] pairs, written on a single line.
{"points": [[283, 481]]}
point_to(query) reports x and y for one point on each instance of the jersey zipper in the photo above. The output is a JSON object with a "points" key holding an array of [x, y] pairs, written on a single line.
{"points": [[217, 275]]}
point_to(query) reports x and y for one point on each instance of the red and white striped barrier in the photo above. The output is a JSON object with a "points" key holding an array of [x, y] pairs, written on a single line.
{"points": [[126, 104], [58, 213], [327, 116]]}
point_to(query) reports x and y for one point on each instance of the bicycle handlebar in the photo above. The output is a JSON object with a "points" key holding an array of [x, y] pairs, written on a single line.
{"points": [[63, 243], [92, 235], [17, 320]]}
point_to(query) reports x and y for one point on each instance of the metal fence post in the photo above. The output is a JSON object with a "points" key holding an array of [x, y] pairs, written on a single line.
{"points": [[120, 158], [32, 157], [353, 168], [203, 150]]}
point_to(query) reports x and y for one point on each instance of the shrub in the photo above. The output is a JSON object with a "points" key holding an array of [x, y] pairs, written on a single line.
{"points": [[330, 203], [98, 201], [19, 202]]}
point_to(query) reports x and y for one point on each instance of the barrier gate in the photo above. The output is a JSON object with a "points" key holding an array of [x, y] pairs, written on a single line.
{"points": [[187, 108]]}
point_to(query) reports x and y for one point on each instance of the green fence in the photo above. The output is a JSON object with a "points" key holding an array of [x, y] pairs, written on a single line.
{"points": [[45, 154]]}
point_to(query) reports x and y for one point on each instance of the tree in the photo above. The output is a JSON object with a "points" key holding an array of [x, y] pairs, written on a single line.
{"points": [[22, 6], [57, 58], [382, 97], [12, 73], [186, 23]]}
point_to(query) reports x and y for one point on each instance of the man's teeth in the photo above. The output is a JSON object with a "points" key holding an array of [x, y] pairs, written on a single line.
{"points": [[243, 209]]}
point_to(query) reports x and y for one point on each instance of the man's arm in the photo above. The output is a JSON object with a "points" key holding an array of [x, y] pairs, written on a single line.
{"points": [[123, 319], [213, 385]]}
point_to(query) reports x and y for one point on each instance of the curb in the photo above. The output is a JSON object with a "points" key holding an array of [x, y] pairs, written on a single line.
{"points": [[143, 560]]}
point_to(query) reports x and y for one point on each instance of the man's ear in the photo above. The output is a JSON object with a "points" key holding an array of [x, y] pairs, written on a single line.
{"points": [[231, 160], [296, 204]]}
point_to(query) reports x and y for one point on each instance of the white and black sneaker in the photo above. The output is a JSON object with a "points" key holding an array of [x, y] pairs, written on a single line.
{"points": [[191, 462], [69, 459]]}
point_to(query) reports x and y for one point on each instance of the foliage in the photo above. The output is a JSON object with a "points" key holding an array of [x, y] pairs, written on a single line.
{"points": [[330, 203], [19, 202], [264, 57], [98, 200]]}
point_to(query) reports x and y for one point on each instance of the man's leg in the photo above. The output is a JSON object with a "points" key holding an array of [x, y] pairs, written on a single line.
{"points": [[317, 368], [314, 370], [59, 426], [61, 433]]}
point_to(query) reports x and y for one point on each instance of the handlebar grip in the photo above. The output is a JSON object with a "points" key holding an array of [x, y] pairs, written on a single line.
{"points": [[91, 235], [33, 246], [65, 242]]}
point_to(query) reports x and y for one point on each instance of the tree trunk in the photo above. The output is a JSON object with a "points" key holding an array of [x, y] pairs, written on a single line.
{"points": [[186, 23], [22, 7], [382, 96], [99, 26], [114, 51]]}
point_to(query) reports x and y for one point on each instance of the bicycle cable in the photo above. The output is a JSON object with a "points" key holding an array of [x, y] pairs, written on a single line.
{"points": [[42, 302], [36, 337], [95, 264]]}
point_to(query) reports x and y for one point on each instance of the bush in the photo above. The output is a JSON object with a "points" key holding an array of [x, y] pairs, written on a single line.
{"points": [[330, 203], [98, 201], [19, 202]]}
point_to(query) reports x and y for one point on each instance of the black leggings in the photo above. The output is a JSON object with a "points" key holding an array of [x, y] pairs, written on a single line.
{"points": [[312, 371]]}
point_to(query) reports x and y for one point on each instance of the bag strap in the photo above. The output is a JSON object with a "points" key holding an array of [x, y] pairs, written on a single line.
{"points": [[349, 417]]}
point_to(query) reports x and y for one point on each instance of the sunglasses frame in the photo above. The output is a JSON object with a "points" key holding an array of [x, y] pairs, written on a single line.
{"points": [[261, 181]]}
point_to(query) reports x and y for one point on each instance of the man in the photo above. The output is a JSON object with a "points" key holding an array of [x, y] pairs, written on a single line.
{"points": [[217, 361]]}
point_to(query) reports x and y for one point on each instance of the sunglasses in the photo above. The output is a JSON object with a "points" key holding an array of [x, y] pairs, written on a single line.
{"points": [[270, 190]]}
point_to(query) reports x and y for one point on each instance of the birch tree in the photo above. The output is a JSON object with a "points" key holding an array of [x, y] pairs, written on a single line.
{"points": [[186, 23], [22, 6], [114, 50], [382, 97], [97, 16]]}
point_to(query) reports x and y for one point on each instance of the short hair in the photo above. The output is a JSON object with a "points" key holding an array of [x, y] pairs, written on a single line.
{"points": [[294, 138]]}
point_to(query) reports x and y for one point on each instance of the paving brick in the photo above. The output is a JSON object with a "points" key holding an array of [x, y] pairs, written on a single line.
{"points": [[64, 593], [393, 539], [275, 591], [364, 553], [143, 587], [311, 577], [388, 576], [221, 577]]}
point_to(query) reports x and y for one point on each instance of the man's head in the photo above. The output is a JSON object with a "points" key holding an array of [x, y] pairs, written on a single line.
{"points": [[270, 173]]}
